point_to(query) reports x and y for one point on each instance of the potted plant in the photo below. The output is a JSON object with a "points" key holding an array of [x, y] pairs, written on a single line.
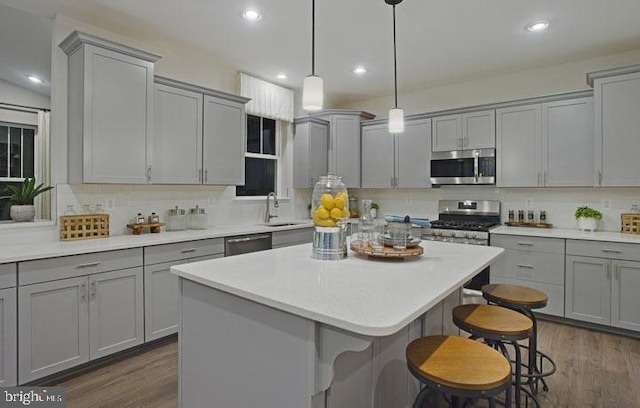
{"points": [[374, 209], [587, 218], [22, 208]]}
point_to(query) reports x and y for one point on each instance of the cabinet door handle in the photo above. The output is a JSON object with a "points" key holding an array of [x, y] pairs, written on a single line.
{"points": [[148, 173], [83, 291], [93, 290], [544, 178], [608, 271], [88, 265], [187, 250], [525, 266], [206, 175], [391, 181], [311, 182], [612, 251], [200, 175], [599, 178], [538, 178], [616, 272], [525, 243]]}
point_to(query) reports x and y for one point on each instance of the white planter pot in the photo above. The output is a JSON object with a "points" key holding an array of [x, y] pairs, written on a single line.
{"points": [[22, 213], [587, 224]]}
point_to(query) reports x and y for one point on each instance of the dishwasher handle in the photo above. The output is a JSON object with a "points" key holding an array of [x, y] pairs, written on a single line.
{"points": [[248, 239], [247, 244]]}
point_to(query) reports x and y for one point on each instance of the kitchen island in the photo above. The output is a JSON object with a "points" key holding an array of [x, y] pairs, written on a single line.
{"points": [[274, 329]]}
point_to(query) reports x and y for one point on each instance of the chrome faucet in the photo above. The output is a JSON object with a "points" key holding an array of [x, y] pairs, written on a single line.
{"points": [[268, 216]]}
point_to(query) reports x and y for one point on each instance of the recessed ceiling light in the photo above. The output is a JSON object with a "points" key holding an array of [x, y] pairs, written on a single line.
{"points": [[251, 15], [34, 79], [359, 70], [537, 26], [282, 76]]}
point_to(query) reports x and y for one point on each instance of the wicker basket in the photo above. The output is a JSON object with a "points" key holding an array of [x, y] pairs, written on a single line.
{"points": [[630, 223], [85, 226]]}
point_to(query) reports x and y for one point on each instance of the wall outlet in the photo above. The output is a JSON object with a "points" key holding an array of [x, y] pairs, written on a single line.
{"points": [[109, 203], [606, 203], [529, 202]]}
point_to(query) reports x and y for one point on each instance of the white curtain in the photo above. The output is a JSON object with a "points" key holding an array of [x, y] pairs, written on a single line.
{"points": [[267, 100], [43, 169]]}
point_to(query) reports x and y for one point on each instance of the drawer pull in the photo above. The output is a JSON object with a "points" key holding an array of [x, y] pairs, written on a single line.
{"points": [[83, 291], [525, 243], [613, 251], [88, 265], [187, 250], [525, 266]]}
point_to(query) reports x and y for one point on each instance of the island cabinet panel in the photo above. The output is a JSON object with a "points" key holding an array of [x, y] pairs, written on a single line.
{"points": [[281, 239], [535, 262], [8, 275], [110, 112], [8, 338], [224, 141], [602, 287], [177, 144], [617, 125], [310, 151]]}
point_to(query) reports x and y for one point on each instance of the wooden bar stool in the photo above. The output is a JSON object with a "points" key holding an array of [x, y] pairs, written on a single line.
{"points": [[460, 368], [497, 326], [524, 299]]}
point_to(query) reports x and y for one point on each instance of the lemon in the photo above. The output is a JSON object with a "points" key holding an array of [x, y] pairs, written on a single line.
{"points": [[327, 201], [316, 219], [339, 202], [327, 223], [343, 195], [336, 213], [322, 213]]}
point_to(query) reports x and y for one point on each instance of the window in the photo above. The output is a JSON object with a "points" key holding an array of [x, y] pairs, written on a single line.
{"points": [[17, 158], [261, 157]]}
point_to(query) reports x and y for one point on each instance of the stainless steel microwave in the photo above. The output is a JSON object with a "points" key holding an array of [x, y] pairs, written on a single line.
{"points": [[463, 167]]}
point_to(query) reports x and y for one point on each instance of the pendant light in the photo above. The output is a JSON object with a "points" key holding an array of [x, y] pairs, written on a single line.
{"points": [[396, 115], [312, 95]]}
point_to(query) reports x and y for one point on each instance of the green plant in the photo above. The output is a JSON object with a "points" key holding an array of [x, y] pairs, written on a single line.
{"points": [[588, 212], [24, 193], [375, 206], [309, 206]]}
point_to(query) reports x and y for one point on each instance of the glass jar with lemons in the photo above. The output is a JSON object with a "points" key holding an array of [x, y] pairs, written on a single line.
{"points": [[329, 209]]}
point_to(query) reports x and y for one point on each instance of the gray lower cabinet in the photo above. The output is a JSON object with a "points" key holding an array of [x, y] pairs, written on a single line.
{"points": [[8, 338], [77, 308], [161, 294], [534, 262], [280, 239], [603, 290]]}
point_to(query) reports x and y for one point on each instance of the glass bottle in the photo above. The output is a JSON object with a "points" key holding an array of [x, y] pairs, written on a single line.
{"points": [[366, 224], [511, 216], [634, 209], [197, 218]]}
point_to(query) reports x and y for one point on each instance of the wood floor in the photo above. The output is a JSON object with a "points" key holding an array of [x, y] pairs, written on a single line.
{"points": [[595, 370]]}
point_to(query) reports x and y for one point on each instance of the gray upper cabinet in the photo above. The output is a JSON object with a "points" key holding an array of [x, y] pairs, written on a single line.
{"points": [[546, 145], [344, 143], [396, 161], [567, 143], [473, 130], [177, 139], [310, 151], [110, 111], [617, 126], [518, 140], [200, 135]]}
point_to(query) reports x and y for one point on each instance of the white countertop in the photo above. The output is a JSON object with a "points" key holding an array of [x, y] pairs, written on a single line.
{"points": [[609, 236], [373, 297], [39, 250]]}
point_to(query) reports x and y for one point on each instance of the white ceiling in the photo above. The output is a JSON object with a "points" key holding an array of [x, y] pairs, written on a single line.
{"points": [[439, 41]]}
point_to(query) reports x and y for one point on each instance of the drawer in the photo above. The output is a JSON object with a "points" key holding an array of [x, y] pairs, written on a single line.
{"points": [[8, 275], [524, 243], [183, 250], [291, 237], [603, 249], [532, 267], [555, 293], [44, 270]]}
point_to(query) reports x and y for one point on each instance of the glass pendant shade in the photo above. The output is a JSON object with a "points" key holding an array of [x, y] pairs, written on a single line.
{"points": [[312, 95], [396, 120]]}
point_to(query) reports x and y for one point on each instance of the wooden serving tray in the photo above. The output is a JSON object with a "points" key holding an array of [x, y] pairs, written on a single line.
{"points": [[138, 228], [386, 252], [529, 224]]}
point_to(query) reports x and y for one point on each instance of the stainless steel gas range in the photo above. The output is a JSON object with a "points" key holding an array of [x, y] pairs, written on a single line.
{"points": [[465, 222]]}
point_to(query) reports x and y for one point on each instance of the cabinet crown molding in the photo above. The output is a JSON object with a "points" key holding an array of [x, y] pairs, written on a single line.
{"points": [[629, 69], [77, 38], [363, 115], [309, 119], [200, 89]]}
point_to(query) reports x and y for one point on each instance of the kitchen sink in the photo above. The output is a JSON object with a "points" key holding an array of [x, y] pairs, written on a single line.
{"points": [[282, 224]]}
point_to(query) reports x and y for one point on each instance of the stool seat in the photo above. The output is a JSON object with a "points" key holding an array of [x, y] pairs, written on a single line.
{"points": [[515, 295], [458, 363], [492, 319]]}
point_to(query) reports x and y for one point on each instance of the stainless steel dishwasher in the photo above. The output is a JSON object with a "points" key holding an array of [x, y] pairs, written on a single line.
{"points": [[243, 244]]}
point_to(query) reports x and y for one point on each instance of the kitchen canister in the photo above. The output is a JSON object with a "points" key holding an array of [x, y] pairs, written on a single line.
{"points": [[330, 209], [197, 218], [176, 219]]}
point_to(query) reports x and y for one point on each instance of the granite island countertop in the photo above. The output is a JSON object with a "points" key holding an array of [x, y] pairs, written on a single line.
{"points": [[373, 297]]}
